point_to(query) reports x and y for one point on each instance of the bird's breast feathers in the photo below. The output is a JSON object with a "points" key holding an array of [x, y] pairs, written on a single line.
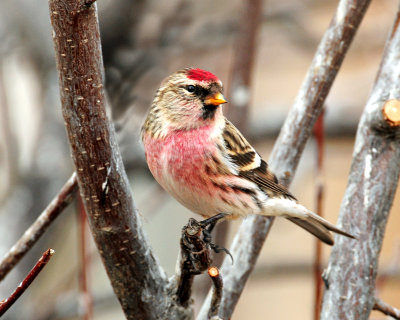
{"points": [[191, 166]]}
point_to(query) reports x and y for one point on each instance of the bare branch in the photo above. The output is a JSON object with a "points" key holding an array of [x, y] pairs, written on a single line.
{"points": [[368, 198], [7, 303], [319, 135], [36, 230], [386, 309], [290, 144], [84, 263], [242, 64], [137, 279]]}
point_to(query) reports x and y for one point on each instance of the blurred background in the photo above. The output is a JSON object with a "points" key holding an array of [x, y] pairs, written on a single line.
{"points": [[143, 42]]}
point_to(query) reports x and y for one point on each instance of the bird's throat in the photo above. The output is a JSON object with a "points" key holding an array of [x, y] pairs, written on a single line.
{"points": [[209, 111]]}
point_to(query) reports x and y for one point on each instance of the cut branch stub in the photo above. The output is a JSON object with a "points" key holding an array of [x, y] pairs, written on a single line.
{"points": [[391, 112], [216, 278]]}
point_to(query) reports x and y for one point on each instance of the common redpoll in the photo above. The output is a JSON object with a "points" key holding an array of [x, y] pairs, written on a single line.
{"points": [[203, 161]]}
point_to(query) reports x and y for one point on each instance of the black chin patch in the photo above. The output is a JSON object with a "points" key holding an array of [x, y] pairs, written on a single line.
{"points": [[209, 111]]}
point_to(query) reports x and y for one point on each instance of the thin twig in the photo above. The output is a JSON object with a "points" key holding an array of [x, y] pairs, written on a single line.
{"points": [[216, 278], [386, 309], [288, 148], [86, 296], [36, 230], [319, 195], [7, 303]]}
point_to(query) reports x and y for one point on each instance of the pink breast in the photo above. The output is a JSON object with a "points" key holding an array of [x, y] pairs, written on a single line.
{"points": [[178, 160]]}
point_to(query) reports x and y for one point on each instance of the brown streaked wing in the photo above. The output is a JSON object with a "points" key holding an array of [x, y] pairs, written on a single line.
{"points": [[267, 181], [243, 155]]}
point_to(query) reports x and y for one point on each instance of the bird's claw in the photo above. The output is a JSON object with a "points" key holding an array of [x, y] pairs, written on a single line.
{"points": [[217, 249], [208, 225], [212, 221]]}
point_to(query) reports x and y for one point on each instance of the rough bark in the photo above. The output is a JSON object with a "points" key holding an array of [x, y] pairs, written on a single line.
{"points": [[137, 279], [365, 207], [288, 148]]}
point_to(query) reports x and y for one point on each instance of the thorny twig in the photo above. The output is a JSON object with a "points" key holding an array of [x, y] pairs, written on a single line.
{"points": [[7, 303], [36, 230]]}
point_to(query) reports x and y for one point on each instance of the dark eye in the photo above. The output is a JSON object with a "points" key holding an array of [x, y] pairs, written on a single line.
{"points": [[190, 88]]}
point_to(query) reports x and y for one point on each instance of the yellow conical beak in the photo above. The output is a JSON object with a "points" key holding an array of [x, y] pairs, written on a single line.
{"points": [[215, 99]]}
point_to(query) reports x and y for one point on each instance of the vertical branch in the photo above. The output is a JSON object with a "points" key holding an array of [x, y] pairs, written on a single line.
{"points": [[242, 63], [137, 279], [319, 186], [369, 194], [288, 148]]}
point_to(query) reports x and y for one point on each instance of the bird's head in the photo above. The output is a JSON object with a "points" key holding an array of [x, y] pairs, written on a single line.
{"points": [[189, 98]]}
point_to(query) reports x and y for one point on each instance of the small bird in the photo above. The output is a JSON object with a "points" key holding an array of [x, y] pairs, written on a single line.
{"points": [[202, 159]]}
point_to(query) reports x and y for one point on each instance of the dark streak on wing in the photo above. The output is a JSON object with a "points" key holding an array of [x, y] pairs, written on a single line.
{"points": [[242, 154], [243, 159], [267, 182]]}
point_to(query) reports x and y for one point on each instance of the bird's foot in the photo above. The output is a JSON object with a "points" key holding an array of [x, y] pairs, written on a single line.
{"points": [[217, 249], [212, 221], [208, 225]]}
